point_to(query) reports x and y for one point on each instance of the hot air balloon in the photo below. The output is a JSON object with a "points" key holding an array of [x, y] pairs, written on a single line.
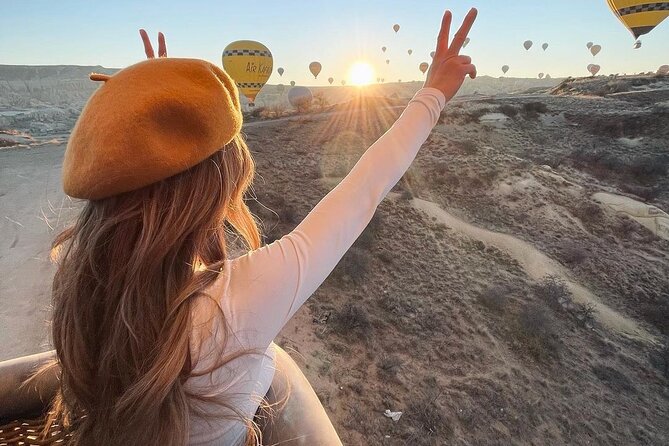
{"points": [[544, 46], [280, 71], [505, 69], [383, 80], [595, 49], [594, 69], [315, 68], [423, 67], [378, 80], [300, 97], [432, 54], [343, 82], [589, 45], [383, 48], [548, 76], [528, 44], [399, 80], [292, 83], [396, 27], [387, 61], [330, 80], [639, 16], [541, 75], [249, 63], [410, 52], [663, 70], [466, 42]]}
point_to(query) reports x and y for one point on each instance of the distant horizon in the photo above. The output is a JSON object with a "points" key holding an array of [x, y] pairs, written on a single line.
{"points": [[336, 33]]}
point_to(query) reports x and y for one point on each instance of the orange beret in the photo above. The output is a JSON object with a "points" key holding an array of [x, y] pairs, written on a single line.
{"points": [[148, 122]]}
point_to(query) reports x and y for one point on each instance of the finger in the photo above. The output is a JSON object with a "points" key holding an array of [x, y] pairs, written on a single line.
{"points": [[469, 69], [462, 33], [148, 48], [444, 34], [464, 60], [162, 48]]}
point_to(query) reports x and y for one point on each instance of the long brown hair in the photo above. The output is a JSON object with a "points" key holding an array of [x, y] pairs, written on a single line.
{"points": [[128, 272]]}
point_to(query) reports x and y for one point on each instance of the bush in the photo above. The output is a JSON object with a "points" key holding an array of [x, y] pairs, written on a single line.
{"points": [[469, 147], [536, 332], [351, 319], [389, 365], [531, 110], [643, 192], [613, 378], [320, 100], [354, 265], [588, 212], [573, 253], [554, 291], [427, 413], [495, 298], [508, 110]]}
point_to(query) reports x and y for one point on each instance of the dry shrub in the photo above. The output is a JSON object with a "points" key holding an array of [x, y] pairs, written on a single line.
{"points": [[495, 298], [468, 147], [573, 253], [553, 290], [532, 110], [536, 332], [508, 110], [389, 365], [588, 212], [351, 319], [613, 378], [646, 193], [426, 414], [657, 313], [354, 265]]}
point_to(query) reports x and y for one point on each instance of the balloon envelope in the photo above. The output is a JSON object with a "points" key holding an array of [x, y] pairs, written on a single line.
{"points": [[639, 16], [505, 69], [410, 52], [315, 68], [292, 83], [423, 67], [594, 69], [343, 82], [280, 71], [544, 46], [595, 49], [541, 75], [249, 63], [396, 27], [663, 70], [387, 61], [330, 80], [300, 96], [432, 54], [383, 48], [589, 45], [528, 44]]}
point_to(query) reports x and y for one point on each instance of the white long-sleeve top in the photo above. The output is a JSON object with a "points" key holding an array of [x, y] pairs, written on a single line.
{"points": [[260, 291]]}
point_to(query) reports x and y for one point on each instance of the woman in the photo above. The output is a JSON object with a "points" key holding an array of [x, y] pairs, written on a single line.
{"points": [[160, 337]]}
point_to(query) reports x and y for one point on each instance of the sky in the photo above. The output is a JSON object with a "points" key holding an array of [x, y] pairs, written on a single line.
{"points": [[335, 33]]}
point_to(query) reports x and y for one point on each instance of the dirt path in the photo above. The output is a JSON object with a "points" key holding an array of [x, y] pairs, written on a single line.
{"points": [[538, 265]]}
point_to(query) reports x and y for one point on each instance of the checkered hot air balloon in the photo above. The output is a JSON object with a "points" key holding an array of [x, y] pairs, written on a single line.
{"points": [[639, 16]]}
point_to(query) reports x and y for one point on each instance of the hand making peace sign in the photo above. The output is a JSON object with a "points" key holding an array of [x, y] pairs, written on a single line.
{"points": [[449, 68]]}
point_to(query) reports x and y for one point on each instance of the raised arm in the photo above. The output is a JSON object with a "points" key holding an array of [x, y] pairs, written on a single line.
{"points": [[268, 285]]}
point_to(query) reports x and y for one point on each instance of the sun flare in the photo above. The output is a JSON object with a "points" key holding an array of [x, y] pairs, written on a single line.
{"points": [[361, 73]]}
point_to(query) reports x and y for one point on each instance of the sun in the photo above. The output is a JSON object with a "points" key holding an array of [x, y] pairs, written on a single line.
{"points": [[361, 73]]}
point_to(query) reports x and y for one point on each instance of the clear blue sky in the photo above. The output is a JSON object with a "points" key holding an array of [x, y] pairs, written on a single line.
{"points": [[336, 33]]}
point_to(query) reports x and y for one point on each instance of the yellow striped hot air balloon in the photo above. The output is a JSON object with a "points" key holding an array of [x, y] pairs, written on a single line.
{"points": [[249, 63], [640, 16]]}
